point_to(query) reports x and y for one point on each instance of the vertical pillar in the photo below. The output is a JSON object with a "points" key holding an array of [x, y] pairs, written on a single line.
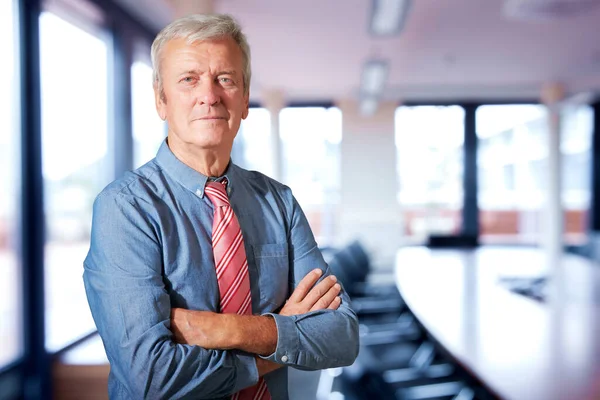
{"points": [[594, 219], [553, 212], [36, 366], [274, 101], [470, 224], [552, 94], [369, 208], [120, 140]]}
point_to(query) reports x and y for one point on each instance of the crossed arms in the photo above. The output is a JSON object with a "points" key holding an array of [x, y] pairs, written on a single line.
{"points": [[250, 333], [158, 352]]}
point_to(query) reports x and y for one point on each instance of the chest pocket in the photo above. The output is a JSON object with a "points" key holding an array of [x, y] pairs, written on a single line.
{"points": [[272, 266]]}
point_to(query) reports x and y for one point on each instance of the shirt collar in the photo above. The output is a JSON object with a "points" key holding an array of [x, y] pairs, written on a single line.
{"points": [[191, 179]]}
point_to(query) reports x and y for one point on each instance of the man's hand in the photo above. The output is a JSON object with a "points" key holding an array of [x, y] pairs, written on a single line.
{"points": [[310, 297]]}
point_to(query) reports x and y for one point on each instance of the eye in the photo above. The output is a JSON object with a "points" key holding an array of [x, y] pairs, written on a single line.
{"points": [[225, 80], [188, 79]]}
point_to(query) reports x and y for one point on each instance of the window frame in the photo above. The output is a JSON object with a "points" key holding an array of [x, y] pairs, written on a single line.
{"points": [[31, 374]]}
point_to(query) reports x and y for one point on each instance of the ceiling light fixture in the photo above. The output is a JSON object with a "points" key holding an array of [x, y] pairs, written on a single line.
{"points": [[373, 78], [531, 10], [389, 16], [372, 84]]}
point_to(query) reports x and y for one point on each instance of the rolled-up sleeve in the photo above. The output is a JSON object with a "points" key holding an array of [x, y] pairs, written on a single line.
{"points": [[318, 339], [131, 307]]}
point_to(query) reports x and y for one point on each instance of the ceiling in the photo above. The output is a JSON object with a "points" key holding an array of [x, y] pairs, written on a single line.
{"points": [[314, 50]]}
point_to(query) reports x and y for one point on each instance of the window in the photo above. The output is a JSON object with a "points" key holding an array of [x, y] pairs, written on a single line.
{"points": [[11, 346], [514, 138], [576, 150], [149, 130], [429, 145], [75, 164], [252, 148], [311, 138], [511, 166]]}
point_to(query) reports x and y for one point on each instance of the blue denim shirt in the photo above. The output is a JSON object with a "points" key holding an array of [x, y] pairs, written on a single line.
{"points": [[151, 251]]}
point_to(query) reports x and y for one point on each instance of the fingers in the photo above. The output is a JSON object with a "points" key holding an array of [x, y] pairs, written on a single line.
{"points": [[311, 296], [320, 290], [305, 285], [328, 298], [335, 303]]}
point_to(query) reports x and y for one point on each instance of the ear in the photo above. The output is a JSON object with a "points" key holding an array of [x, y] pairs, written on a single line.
{"points": [[160, 103], [246, 106]]}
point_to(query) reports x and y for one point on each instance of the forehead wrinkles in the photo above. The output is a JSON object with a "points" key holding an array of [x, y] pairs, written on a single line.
{"points": [[207, 56]]}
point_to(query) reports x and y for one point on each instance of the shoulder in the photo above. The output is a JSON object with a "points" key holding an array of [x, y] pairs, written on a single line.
{"points": [[269, 192], [138, 186], [261, 181]]}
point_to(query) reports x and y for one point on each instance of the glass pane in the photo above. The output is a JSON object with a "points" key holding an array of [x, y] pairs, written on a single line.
{"points": [[512, 152], [75, 165], [11, 346], [148, 129], [311, 140], [252, 145], [429, 143], [576, 150]]}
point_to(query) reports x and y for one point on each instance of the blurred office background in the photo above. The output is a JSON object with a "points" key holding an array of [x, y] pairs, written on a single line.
{"points": [[401, 124]]}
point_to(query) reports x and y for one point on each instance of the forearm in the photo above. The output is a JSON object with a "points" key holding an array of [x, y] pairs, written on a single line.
{"points": [[251, 333], [317, 340], [248, 333], [321, 338]]}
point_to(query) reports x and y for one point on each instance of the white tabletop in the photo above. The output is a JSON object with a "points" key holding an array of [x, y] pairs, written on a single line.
{"points": [[519, 348]]}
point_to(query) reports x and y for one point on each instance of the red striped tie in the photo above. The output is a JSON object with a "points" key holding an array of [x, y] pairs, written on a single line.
{"points": [[232, 270]]}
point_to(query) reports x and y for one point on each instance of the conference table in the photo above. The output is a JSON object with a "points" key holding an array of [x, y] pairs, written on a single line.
{"points": [[515, 346]]}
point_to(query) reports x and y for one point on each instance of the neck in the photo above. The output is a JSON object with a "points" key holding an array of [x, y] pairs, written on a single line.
{"points": [[209, 162]]}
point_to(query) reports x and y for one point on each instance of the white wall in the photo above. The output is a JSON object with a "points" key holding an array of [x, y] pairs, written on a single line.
{"points": [[369, 210]]}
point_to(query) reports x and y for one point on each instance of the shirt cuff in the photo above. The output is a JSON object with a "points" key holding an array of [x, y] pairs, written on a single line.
{"points": [[288, 341], [247, 372]]}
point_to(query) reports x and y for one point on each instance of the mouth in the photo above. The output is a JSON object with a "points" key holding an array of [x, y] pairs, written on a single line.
{"points": [[210, 119]]}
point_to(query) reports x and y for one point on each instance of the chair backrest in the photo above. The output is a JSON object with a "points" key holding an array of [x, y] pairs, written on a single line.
{"points": [[356, 261], [360, 255], [349, 265], [337, 268], [360, 384]]}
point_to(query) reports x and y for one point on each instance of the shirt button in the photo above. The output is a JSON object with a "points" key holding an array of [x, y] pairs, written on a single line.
{"points": [[284, 358]]}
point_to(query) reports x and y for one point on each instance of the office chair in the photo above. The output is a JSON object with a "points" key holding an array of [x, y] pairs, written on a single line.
{"points": [[380, 309], [421, 378], [358, 268]]}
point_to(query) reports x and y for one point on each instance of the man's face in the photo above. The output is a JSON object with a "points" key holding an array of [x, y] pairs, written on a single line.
{"points": [[204, 99]]}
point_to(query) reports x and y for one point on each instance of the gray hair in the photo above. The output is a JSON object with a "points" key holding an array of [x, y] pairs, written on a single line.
{"points": [[198, 27]]}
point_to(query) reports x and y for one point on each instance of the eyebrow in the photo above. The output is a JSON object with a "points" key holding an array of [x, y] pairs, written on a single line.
{"points": [[190, 71], [197, 72], [226, 73]]}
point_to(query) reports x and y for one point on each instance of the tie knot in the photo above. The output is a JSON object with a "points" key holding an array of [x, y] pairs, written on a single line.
{"points": [[217, 194]]}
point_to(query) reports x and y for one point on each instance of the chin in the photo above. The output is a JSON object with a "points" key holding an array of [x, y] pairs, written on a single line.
{"points": [[209, 140]]}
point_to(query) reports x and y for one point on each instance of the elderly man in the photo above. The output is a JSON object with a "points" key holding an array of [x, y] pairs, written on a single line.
{"points": [[204, 279]]}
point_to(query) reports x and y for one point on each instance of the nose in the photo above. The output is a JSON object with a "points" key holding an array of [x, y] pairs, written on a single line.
{"points": [[208, 93]]}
